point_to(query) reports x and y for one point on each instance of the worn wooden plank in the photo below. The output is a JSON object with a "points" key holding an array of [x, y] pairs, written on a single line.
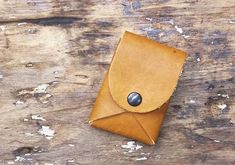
{"points": [[53, 57]]}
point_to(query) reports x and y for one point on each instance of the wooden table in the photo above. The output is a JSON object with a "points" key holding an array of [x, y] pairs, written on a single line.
{"points": [[53, 57]]}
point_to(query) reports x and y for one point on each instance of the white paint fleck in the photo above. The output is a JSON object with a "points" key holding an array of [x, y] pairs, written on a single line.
{"points": [[37, 117], [142, 158], [161, 34], [185, 36], [23, 23], [70, 160], [25, 119], [1, 76], [231, 21], [10, 162], [29, 65], [178, 29], [192, 101], [48, 163], [138, 147], [149, 19], [131, 146], [28, 154], [198, 59], [41, 88], [231, 122], [142, 153], [19, 102], [28, 134], [71, 145], [171, 22], [148, 29], [32, 31], [47, 132], [222, 106], [19, 159], [223, 95], [217, 141], [2, 28]]}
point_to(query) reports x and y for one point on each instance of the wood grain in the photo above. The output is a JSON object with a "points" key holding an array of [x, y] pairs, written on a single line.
{"points": [[53, 57]]}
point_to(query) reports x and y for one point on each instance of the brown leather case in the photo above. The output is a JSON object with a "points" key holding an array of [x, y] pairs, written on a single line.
{"points": [[144, 66]]}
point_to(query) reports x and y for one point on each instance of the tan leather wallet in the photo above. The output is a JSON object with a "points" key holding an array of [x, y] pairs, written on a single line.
{"points": [[137, 88]]}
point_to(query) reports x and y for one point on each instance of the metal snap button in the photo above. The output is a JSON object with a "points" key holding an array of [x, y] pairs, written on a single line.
{"points": [[134, 99]]}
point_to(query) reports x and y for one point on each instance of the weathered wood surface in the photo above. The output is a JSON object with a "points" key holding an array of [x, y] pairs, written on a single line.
{"points": [[53, 57]]}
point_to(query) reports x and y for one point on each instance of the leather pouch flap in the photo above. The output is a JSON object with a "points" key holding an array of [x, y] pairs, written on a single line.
{"points": [[147, 67]]}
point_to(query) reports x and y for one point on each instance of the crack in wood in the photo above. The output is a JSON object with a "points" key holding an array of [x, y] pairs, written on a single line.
{"points": [[27, 150], [49, 21]]}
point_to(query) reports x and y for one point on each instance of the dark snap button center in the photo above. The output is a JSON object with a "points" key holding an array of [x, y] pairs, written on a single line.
{"points": [[134, 99]]}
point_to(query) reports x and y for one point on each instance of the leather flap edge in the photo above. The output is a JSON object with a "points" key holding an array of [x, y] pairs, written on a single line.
{"points": [[147, 67]]}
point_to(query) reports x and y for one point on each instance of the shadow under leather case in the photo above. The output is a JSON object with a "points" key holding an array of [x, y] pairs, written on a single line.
{"points": [[144, 66]]}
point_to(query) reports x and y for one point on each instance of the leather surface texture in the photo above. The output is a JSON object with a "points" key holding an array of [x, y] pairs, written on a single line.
{"points": [[144, 66]]}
